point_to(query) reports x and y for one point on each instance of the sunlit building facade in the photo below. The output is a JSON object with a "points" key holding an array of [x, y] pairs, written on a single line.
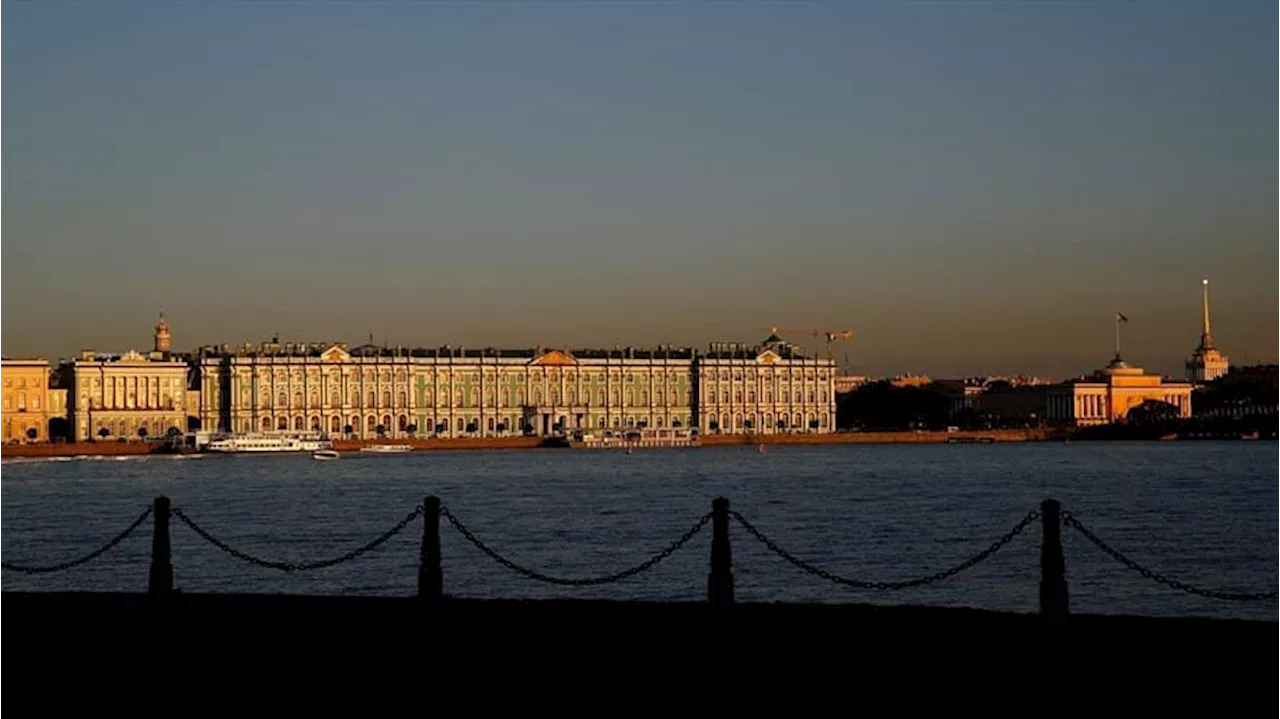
{"points": [[372, 391], [124, 396], [26, 408], [1108, 395]]}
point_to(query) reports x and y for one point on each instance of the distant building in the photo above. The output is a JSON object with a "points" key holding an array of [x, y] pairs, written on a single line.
{"points": [[1207, 363], [848, 382], [910, 380], [453, 392], [766, 388], [1108, 395], [26, 410], [127, 395]]}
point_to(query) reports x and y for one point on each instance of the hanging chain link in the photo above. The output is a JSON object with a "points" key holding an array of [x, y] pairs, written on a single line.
{"points": [[300, 566], [86, 558], [532, 574], [1069, 520], [818, 571]]}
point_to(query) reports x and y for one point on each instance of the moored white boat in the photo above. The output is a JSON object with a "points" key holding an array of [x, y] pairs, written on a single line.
{"points": [[266, 443], [387, 448]]}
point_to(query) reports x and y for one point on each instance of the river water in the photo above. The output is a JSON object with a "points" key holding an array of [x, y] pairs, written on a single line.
{"points": [[1204, 513]]}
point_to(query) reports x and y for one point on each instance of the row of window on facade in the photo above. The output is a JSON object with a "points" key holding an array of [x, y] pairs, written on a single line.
{"points": [[131, 402], [516, 397], [23, 430], [135, 428], [766, 421], [783, 372], [22, 402], [784, 396]]}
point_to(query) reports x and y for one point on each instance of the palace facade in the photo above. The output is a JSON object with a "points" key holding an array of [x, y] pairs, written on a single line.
{"points": [[1108, 395], [129, 395], [31, 408], [374, 391]]}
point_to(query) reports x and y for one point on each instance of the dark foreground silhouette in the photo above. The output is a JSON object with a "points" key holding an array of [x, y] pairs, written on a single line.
{"points": [[352, 656]]}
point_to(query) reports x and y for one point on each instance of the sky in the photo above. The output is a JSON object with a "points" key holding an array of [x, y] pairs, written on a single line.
{"points": [[969, 187]]}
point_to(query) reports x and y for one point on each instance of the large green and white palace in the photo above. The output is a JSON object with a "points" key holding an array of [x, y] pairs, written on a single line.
{"points": [[453, 392]]}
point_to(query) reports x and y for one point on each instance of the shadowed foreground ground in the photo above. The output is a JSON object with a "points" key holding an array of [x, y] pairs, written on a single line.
{"points": [[346, 656]]}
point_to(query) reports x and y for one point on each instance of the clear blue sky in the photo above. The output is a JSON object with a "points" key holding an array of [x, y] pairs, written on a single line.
{"points": [[968, 186]]}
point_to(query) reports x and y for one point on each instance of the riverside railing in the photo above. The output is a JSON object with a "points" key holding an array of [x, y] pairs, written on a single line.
{"points": [[720, 583]]}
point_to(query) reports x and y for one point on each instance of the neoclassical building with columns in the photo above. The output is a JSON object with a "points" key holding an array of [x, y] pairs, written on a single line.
{"points": [[371, 391], [1109, 394]]}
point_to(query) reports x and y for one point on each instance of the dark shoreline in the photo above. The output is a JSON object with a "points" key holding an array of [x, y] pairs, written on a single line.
{"points": [[593, 657], [1002, 436]]}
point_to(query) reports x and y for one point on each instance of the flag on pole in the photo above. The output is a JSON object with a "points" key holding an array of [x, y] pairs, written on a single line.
{"points": [[1121, 318]]}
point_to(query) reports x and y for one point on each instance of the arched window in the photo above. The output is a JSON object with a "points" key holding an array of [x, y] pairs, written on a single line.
{"points": [[786, 396], [810, 396], [282, 424], [334, 398], [491, 424], [537, 396], [386, 398], [401, 422], [555, 396], [297, 399], [724, 396], [373, 398], [569, 396], [644, 397], [266, 424], [297, 424], [315, 424], [404, 399], [335, 425], [737, 396], [751, 396]]}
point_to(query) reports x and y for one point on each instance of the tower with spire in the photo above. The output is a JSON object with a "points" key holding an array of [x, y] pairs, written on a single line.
{"points": [[162, 335], [1207, 363]]}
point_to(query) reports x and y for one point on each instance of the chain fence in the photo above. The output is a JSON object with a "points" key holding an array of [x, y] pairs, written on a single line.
{"points": [[111, 544], [861, 584], [299, 566], [584, 582], [1069, 520]]}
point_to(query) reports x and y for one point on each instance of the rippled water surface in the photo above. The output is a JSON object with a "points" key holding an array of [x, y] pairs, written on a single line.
{"points": [[1200, 512]]}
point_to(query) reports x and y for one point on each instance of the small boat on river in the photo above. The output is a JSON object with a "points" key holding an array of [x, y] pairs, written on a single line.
{"points": [[325, 454]]}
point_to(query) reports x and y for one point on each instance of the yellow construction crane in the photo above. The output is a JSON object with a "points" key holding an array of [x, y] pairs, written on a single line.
{"points": [[830, 335]]}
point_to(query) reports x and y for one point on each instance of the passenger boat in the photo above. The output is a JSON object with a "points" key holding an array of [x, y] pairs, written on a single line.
{"points": [[635, 438], [325, 454], [387, 448], [245, 443]]}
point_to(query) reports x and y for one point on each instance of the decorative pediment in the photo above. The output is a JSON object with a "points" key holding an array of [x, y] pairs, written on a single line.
{"points": [[555, 358], [336, 353], [767, 357]]}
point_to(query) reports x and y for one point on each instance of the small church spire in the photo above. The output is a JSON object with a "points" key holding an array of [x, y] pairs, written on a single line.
{"points": [[162, 338]]}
